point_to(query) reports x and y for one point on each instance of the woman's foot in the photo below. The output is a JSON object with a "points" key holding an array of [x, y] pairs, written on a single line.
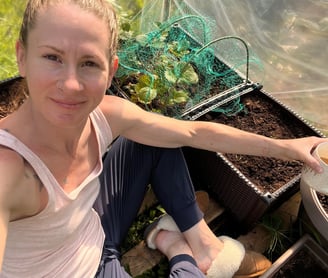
{"points": [[172, 244], [204, 244]]}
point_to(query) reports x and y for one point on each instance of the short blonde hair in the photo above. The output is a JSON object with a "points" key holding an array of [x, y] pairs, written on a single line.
{"points": [[101, 8]]}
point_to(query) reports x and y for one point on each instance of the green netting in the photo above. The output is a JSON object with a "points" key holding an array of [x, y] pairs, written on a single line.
{"points": [[178, 64]]}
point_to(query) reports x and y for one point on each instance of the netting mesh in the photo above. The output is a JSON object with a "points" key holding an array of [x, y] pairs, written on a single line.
{"points": [[174, 62]]}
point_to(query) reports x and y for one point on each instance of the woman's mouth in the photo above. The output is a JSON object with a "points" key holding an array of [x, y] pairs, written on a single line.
{"points": [[68, 104]]}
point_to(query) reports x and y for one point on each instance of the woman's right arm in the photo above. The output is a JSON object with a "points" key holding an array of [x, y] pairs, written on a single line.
{"points": [[11, 174]]}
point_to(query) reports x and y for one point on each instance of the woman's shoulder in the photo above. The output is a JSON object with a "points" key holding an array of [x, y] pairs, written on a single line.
{"points": [[11, 164], [12, 169], [10, 156], [18, 190]]}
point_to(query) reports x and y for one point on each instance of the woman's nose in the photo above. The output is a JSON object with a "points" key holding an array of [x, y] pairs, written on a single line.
{"points": [[71, 82]]}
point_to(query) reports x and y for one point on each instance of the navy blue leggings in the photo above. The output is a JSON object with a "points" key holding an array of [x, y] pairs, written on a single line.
{"points": [[129, 168]]}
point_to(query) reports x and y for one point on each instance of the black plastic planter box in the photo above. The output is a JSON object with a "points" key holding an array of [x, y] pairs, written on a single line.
{"points": [[234, 189]]}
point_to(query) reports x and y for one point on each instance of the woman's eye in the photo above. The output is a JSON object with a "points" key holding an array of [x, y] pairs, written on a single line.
{"points": [[89, 64], [52, 57]]}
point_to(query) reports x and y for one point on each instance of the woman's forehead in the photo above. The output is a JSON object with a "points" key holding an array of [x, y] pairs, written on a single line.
{"points": [[76, 28], [70, 18]]}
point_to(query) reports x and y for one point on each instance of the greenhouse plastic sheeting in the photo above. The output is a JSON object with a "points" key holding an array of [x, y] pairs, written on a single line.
{"points": [[290, 37]]}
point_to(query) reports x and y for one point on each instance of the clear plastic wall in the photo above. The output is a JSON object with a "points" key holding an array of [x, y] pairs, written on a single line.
{"points": [[290, 37]]}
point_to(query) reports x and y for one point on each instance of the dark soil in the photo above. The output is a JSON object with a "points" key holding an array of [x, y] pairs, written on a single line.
{"points": [[324, 201], [12, 95], [261, 116], [302, 265]]}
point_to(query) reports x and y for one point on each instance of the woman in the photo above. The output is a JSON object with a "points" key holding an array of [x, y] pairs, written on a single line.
{"points": [[61, 215]]}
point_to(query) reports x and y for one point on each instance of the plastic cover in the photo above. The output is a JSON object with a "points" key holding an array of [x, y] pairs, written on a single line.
{"points": [[290, 37]]}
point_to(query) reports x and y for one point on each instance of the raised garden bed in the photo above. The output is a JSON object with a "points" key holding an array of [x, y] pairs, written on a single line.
{"points": [[304, 259], [248, 186]]}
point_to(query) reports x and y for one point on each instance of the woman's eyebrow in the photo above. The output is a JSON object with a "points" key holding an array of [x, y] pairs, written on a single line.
{"points": [[86, 56], [51, 47]]}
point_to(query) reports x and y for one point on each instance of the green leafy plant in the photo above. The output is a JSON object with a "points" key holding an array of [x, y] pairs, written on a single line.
{"points": [[158, 76], [281, 238], [168, 70]]}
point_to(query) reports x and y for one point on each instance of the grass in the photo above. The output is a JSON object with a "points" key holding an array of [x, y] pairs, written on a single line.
{"points": [[10, 19]]}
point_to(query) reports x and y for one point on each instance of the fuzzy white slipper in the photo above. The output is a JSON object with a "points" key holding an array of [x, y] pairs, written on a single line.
{"points": [[226, 263], [228, 260], [165, 222]]}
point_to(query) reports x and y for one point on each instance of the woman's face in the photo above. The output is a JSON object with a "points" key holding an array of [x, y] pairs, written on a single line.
{"points": [[66, 64]]}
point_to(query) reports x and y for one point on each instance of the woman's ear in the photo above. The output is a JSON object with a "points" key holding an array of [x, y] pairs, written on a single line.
{"points": [[114, 65], [112, 71], [20, 57]]}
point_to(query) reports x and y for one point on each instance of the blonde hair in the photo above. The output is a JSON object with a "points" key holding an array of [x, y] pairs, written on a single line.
{"points": [[101, 8]]}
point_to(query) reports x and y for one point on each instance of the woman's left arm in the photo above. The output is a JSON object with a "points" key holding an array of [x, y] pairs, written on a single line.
{"points": [[129, 120]]}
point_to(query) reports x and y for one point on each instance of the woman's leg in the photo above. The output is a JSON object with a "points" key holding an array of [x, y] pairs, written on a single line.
{"points": [[174, 246], [184, 266], [128, 169]]}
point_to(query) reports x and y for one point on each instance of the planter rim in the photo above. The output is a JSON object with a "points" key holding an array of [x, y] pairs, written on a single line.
{"points": [[305, 241], [314, 209], [265, 195]]}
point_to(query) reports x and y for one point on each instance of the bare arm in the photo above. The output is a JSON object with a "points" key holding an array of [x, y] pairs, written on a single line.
{"points": [[128, 120], [11, 171]]}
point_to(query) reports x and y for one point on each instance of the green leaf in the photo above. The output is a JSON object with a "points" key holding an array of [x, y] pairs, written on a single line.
{"points": [[188, 75], [170, 76], [125, 26], [146, 95], [183, 45], [179, 96], [180, 49], [142, 39], [158, 44], [144, 80]]}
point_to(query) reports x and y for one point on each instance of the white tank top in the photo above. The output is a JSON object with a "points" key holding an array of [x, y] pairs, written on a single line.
{"points": [[66, 238]]}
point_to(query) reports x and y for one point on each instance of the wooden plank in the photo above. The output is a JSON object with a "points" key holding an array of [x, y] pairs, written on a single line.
{"points": [[213, 211], [148, 201], [140, 258]]}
